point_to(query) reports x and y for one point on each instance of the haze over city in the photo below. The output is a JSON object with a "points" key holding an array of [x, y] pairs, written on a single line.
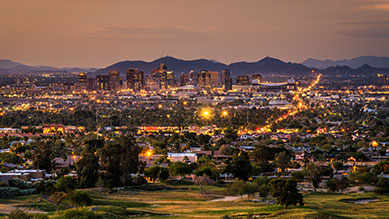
{"points": [[99, 33]]}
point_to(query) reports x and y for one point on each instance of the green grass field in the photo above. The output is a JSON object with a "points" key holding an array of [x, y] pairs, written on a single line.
{"points": [[186, 201]]}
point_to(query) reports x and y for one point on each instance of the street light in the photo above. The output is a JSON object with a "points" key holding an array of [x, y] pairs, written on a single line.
{"points": [[206, 113]]}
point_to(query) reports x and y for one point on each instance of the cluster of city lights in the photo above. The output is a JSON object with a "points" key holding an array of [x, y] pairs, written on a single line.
{"points": [[299, 107]]}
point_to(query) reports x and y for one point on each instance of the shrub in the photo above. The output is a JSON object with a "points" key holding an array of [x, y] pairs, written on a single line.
{"points": [[9, 192], [298, 176], [382, 185], [83, 213], [331, 185], [19, 214], [80, 198], [263, 190], [20, 184]]}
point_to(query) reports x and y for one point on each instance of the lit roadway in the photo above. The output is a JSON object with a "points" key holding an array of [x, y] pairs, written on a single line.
{"points": [[300, 106]]}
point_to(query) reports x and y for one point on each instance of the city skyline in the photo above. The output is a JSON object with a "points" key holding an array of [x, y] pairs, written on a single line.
{"points": [[95, 35]]}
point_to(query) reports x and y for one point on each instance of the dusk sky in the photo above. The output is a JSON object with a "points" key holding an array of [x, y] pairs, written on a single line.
{"points": [[97, 33]]}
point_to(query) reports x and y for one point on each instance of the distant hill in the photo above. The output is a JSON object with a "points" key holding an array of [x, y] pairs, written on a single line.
{"points": [[374, 61], [8, 66], [267, 65], [177, 65]]}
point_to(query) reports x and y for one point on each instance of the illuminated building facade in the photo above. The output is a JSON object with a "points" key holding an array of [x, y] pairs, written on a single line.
{"points": [[91, 84], [135, 79], [243, 80], [183, 79], [204, 79], [102, 82], [164, 77], [226, 80], [193, 78], [256, 79], [82, 78], [114, 80]]}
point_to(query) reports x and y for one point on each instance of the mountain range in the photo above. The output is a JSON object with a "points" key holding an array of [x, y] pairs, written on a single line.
{"points": [[8, 66], [378, 62], [267, 65]]}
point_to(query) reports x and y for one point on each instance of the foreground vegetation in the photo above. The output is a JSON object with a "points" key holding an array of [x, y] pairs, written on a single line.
{"points": [[187, 201]]}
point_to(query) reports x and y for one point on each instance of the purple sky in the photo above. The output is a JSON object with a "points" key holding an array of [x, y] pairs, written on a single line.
{"points": [[96, 33]]}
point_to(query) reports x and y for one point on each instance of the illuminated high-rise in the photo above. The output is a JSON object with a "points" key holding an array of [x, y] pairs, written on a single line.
{"points": [[114, 80], [226, 80], [204, 79], [82, 78], [164, 77], [135, 79], [102, 82], [243, 80], [183, 79]]}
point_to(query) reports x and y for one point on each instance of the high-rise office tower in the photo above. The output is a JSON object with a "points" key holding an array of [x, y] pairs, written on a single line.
{"points": [[82, 78], [102, 82], [91, 84], [226, 79], [135, 79], [164, 76], [243, 80], [183, 79], [170, 78], [114, 80], [208, 79], [204, 79], [215, 79]]}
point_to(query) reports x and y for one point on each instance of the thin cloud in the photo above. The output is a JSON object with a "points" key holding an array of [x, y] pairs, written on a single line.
{"points": [[366, 29], [151, 33], [380, 5]]}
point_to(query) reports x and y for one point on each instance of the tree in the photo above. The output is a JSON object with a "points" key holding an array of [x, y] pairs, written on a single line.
{"points": [[381, 167], [312, 173], [80, 198], [43, 155], [249, 188], [81, 213], [66, 184], [285, 190], [337, 165], [118, 161], [203, 181], [382, 185], [163, 174], [241, 165], [298, 176], [331, 185], [153, 172], [87, 168], [282, 160], [203, 139], [261, 155], [230, 135], [342, 184], [179, 169]]}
